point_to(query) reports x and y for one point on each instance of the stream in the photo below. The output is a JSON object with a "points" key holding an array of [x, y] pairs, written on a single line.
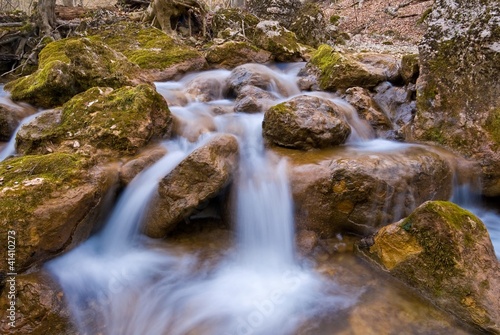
{"points": [[246, 279]]}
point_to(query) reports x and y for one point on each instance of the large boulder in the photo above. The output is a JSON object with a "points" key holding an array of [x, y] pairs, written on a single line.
{"points": [[234, 24], [311, 26], [49, 204], [458, 91], [338, 70], [233, 53], [283, 11], [305, 122], [159, 56], [340, 190], [281, 42], [445, 252], [70, 66], [40, 307], [198, 178], [112, 121]]}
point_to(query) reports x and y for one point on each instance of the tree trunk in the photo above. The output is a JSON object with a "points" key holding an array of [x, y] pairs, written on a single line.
{"points": [[47, 18]]}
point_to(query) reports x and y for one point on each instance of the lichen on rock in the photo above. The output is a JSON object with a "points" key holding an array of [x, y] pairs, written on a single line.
{"points": [[70, 66], [445, 252], [112, 121]]}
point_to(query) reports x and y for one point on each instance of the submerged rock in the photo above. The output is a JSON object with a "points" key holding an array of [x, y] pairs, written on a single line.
{"points": [[232, 54], [40, 307], [445, 252], [253, 100], [458, 91], [159, 56], [254, 75], [305, 122], [341, 190], [340, 71], [198, 178], [51, 202], [112, 121], [70, 66]]}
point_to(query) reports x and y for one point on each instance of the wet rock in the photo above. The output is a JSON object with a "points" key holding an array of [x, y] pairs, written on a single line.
{"points": [[338, 190], [253, 100], [206, 87], [198, 178], [445, 252], [159, 56], [306, 241], [368, 109], [283, 11], [336, 70], [70, 66], [281, 42], [51, 202], [254, 75], [40, 305], [140, 162], [409, 68], [458, 91], [398, 103], [10, 118], [110, 121], [305, 122], [231, 54]]}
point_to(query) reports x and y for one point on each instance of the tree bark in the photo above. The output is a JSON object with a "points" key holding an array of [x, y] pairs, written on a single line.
{"points": [[47, 18]]}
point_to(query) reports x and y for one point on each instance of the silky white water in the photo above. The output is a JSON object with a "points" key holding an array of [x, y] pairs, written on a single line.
{"points": [[120, 282]]}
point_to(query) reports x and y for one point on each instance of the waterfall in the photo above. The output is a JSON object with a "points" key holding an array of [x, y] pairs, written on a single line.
{"points": [[466, 196], [120, 282]]}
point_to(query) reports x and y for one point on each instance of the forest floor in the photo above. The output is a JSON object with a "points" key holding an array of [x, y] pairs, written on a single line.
{"points": [[380, 25]]}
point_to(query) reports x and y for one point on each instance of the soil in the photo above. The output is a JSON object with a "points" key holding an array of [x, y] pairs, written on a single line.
{"points": [[385, 26]]}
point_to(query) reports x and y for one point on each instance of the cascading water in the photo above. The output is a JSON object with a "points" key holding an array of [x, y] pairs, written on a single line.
{"points": [[466, 196], [120, 282], [10, 148]]}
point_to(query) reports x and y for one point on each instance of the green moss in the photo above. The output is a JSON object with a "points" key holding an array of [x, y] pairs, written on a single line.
{"points": [[334, 19], [149, 48], [55, 171], [492, 125], [424, 15]]}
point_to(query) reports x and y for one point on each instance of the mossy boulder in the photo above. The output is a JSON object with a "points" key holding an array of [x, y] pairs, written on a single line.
{"points": [[335, 191], [233, 53], [159, 56], [199, 177], [70, 66], [234, 24], [281, 42], [114, 122], [311, 26], [40, 307], [337, 70], [283, 11], [458, 91], [305, 122], [445, 252], [49, 203]]}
